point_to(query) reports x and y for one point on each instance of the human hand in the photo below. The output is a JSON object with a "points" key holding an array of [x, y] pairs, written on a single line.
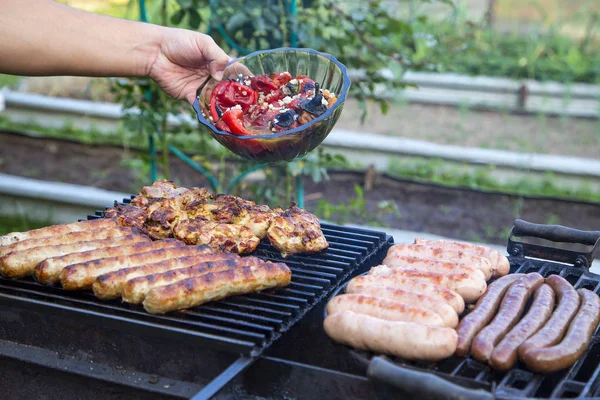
{"points": [[184, 60]]}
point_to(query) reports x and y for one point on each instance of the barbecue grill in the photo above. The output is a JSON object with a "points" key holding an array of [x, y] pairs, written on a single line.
{"points": [[269, 345], [229, 334]]}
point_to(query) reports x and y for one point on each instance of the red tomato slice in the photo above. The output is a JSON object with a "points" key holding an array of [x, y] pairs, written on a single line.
{"points": [[230, 93], [281, 78], [263, 83], [235, 121]]}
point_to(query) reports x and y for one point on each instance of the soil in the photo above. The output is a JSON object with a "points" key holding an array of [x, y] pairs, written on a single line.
{"points": [[455, 212]]}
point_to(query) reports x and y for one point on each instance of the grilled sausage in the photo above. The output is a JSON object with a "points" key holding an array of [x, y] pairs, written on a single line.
{"points": [[135, 290], [484, 311], [470, 288], [423, 264], [436, 304], [504, 356], [575, 342], [68, 238], [440, 253], [557, 325], [407, 340], [214, 286], [500, 264], [414, 285], [110, 285], [390, 310], [48, 271], [57, 230], [82, 275], [22, 263], [510, 310]]}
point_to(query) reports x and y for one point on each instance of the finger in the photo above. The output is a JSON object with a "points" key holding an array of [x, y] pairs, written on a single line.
{"points": [[216, 57]]}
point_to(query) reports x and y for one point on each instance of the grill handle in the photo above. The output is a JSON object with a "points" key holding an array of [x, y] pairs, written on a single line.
{"points": [[421, 385], [555, 233]]}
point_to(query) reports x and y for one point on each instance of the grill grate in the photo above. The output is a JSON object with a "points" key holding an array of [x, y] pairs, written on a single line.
{"points": [[245, 324], [581, 380]]}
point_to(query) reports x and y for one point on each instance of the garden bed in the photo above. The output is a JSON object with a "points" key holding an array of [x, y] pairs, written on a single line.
{"points": [[455, 212]]}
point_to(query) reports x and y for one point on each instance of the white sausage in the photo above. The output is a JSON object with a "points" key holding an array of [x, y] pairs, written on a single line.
{"points": [[390, 310], [407, 340]]}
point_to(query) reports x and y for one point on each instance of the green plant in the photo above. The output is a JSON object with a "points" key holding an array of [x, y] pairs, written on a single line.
{"points": [[355, 210]]}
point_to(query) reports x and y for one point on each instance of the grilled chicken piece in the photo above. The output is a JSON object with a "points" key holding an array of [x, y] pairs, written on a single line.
{"points": [[296, 231], [258, 219], [220, 237], [163, 215], [127, 215]]}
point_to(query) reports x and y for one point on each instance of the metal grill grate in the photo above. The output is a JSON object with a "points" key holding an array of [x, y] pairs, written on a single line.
{"points": [[581, 380], [244, 324]]}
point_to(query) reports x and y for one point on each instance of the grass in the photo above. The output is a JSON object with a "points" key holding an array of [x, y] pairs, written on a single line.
{"points": [[437, 171], [8, 80], [19, 224]]}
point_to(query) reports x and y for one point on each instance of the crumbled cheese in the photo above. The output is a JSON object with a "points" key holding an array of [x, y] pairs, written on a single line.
{"points": [[284, 109], [273, 129], [247, 82], [287, 100], [210, 119], [294, 81], [244, 93], [236, 107], [324, 101]]}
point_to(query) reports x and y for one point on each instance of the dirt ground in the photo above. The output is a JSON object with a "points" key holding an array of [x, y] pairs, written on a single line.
{"points": [[468, 214]]}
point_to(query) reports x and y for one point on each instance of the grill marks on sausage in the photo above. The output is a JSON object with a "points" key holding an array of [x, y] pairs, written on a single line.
{"points": [[568, 303], [575, 341], [504, 356], [511, 308], [484, 311]]}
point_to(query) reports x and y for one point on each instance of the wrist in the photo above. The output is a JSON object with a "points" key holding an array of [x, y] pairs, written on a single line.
{"points": [[150, 48]]}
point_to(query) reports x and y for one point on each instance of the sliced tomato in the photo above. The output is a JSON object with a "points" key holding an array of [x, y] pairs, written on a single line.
{"points": [[235, 121], [230, 93], [263, 83], [281, 78]]}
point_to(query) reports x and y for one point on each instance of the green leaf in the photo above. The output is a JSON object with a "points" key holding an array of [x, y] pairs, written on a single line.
{"points": [[194, 19], [384, 107], [177, 17]]}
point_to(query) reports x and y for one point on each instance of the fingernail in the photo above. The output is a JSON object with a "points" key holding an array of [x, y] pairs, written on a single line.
{"points": [[219, 75]]}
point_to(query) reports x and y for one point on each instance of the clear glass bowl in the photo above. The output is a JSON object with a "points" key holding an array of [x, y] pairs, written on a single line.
{"points": [[323, 68]]}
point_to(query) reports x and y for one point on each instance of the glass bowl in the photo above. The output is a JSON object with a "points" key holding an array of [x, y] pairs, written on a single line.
{"points": [[323, 68]]}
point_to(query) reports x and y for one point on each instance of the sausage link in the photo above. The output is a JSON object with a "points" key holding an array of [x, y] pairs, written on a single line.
{"points": [[395, 260], [510, 310], [390, 310], [557, 325], [484, 311], [414, 285], [504, 355], [431, 302], [469, 287], [440, 253], [575, 342], [407, 340]]}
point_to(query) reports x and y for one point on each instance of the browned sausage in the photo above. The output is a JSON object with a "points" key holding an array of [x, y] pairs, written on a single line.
{"points": [[57, 230], [504, 355], [575, 342], [214, 286], [484, 311], [557, 325], [510, 310]]}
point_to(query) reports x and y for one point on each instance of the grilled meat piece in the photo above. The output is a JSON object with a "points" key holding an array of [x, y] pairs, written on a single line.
{"points": [[127, 215], [163, 215], [82, 275], [296, 231], [135, 290], [220, 237], [19, 264], [110, 285], [56, 230], [216, 285], [258, 219]]}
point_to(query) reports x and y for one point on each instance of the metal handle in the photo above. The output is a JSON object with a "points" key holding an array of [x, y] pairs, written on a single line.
{"points": [[421, 385], [555, 233]]}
